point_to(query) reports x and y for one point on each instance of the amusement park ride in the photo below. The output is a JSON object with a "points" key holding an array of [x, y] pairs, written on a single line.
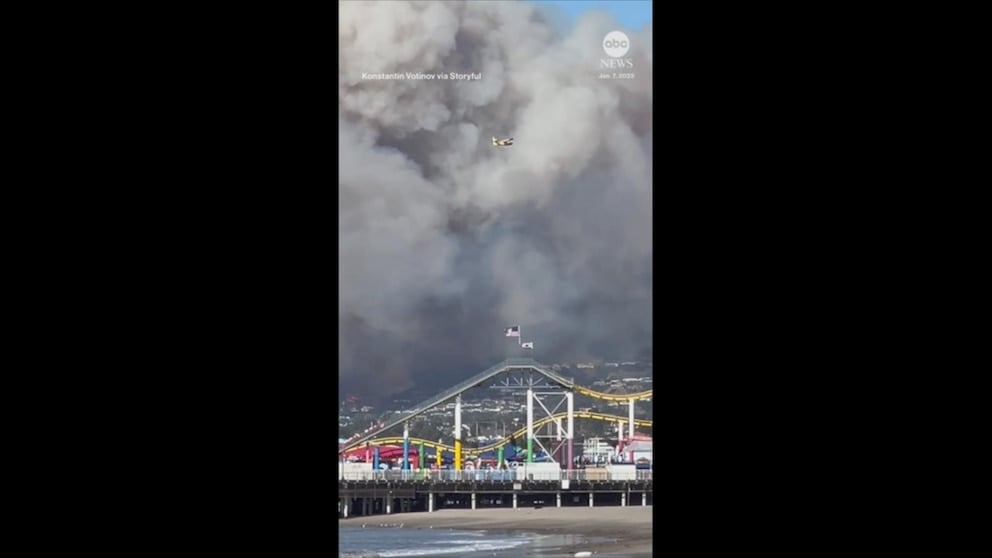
{"points": [[546, 391]]}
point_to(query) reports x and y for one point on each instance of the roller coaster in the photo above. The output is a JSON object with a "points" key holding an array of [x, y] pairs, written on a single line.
{"points": [[492, 447], [529, 369]]}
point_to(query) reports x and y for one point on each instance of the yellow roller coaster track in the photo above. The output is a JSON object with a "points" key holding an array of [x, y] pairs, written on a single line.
{"points": [[613, 396], [393, 440]]}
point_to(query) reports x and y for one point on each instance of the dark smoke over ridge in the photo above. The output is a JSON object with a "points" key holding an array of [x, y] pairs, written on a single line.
{"points": [[444, 239]]}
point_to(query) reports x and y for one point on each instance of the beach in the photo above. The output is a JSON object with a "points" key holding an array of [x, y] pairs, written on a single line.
{"points": [[627, 531]]}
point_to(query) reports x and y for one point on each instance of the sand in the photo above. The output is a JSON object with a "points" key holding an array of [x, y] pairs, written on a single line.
{"points": [[629, 530]]}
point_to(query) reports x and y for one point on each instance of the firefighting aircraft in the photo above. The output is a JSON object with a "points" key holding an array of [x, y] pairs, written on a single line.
{"points": [[503, 142]]}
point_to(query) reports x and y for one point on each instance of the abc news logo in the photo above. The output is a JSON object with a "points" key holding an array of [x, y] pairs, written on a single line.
{"points": [[616, 45]]}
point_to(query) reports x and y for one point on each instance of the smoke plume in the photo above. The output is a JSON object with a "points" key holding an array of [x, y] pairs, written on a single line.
{"points": [[445, 239]]}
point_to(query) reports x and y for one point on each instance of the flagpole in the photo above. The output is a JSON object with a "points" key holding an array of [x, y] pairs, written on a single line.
{"points": [[520, 336]]}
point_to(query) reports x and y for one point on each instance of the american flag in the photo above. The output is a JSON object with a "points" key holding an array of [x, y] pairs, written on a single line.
{"points": [[513, 331]]}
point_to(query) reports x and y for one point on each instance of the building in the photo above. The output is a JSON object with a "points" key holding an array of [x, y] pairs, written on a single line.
{"points": [[596, 449]]}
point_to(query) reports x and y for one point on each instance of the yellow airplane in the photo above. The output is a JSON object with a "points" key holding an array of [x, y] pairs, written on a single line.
{"points": [[503, 142]]}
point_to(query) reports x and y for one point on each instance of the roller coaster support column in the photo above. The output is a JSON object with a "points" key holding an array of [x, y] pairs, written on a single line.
{"points": [[571, 424], [406, 446], [458, 433], [530, 425], [620, 435], [630, 440]]}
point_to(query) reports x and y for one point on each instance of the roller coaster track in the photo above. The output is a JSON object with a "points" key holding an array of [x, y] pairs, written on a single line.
{"points": [[393, 440], [491, 372], [612, 396]]}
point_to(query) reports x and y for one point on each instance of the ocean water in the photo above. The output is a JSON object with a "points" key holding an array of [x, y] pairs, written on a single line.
{"points": [[388, 542]]}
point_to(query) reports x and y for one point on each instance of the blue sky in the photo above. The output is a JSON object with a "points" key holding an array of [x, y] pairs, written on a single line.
{"points": [[631, 14]]}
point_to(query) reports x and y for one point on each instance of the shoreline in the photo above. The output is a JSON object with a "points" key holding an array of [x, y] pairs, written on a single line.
{"points": [[625, 530]]}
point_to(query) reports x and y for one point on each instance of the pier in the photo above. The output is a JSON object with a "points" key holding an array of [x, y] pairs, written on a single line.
{"points": [[384, 497], [431, 475]]}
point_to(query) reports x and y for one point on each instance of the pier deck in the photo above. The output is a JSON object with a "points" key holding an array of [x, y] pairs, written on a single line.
{"points": [[370, 497]]}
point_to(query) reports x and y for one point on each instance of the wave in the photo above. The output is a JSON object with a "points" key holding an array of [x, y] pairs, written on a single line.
{"points": [[460, 550]]}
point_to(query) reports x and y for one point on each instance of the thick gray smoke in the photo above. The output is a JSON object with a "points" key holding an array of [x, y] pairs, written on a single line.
{"points": [[444, 239]]}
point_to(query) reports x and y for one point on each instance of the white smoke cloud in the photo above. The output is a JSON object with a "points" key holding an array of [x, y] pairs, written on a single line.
{"points": [[446, 239]]}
